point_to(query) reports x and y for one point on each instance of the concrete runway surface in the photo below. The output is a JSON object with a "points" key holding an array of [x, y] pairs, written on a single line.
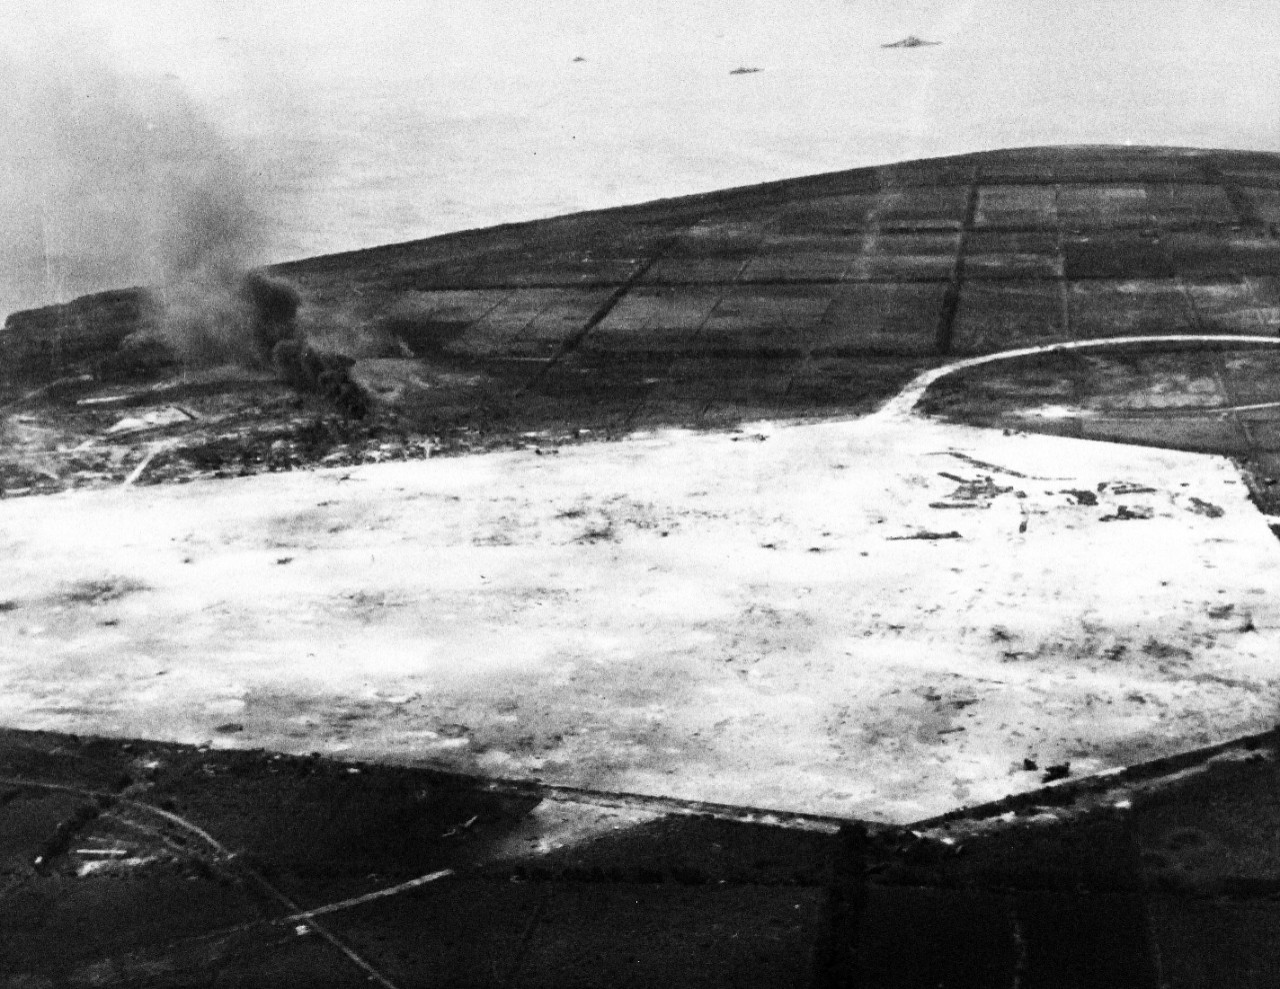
{"points": [[881, 618]]}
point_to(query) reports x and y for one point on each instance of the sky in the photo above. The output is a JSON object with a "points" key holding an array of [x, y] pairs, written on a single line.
{"points": [[328, 125]]}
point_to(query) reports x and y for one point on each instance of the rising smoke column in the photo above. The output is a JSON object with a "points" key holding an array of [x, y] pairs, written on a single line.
{"points": [[110, 180]]}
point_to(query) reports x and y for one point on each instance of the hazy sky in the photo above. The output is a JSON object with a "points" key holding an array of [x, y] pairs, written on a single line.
{"points": [[357, 123]]}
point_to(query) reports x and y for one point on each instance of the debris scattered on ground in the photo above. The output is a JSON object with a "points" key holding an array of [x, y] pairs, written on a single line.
{"points": [[1124, 513], [1209, 509], [113, 865], [220, 426], [152, 419], [1080, 496], [974, 493], [983, 465]]}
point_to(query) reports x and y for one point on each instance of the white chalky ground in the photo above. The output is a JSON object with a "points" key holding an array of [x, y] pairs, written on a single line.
{"points": [[738, 618]]}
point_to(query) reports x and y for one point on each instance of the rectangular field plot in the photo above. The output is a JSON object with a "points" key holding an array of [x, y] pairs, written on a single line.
{"points": [[994, 316], [568, 268], [530, 321], [765, 319], [1104, 205], [563, 317], [784, 265], [719, 238], [1218, 255], [693, 270], [1250, 306], [1012, 255], [1129, 308], [1116, 255], [1121, 382], [1264, 430], [1198, 204], [1134, 170], [1017, 206], [880, 318], [1265, 203], [927, 208], [653, 318], [1252, 375], [803, 258], [831, 214], [907, 257], [713, 251]]}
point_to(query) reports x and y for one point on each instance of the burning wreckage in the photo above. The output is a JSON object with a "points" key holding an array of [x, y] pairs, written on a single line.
{"points": [[97, 393], [807, 299]]}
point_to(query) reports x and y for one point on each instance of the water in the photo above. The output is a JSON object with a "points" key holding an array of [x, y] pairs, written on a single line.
{"points": [[376, 122]]}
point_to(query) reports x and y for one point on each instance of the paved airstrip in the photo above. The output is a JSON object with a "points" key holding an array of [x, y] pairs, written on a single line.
{"points": [[760, 594], [879, 618]]}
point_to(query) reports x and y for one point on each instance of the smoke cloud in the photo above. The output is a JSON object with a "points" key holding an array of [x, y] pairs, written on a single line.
{"points": [[111, 180]]}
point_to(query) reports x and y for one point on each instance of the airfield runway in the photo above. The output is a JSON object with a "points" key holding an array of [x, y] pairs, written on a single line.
{"points": [[879, 619], [750, 516]]}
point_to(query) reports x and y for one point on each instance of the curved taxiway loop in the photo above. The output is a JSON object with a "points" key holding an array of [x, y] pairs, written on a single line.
{"points": [[878, 618], [903, 404]]}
